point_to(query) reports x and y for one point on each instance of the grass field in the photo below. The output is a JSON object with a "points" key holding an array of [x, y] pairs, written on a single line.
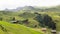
{"points": [[9, 28]]}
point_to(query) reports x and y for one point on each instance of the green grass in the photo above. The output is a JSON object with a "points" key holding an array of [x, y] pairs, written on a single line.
{"points": [[16, 29]]}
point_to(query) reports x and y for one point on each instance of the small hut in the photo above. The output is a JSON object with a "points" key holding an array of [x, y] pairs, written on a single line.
{"points": [[14, 21], [44, 29], [53, 31]]}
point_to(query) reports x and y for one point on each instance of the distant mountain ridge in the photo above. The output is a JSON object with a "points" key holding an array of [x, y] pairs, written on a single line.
{"points": [[32, 8]]}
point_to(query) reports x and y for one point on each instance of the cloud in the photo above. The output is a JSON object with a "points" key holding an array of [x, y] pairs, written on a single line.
{"points": [[17, 3]]}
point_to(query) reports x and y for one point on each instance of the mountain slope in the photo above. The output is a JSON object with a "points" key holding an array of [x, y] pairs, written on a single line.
{"points": [[8, 28]]}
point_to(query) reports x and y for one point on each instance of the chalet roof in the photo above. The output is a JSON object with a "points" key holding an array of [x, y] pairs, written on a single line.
{"points": [[53, 30], [44, 29], [13, 21]]}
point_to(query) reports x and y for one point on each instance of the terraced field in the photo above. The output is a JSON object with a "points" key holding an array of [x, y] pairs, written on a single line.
{"points": [[8, 28]]}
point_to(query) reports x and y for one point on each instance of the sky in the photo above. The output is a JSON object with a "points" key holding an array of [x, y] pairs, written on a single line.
{"points": [[11, 4]]}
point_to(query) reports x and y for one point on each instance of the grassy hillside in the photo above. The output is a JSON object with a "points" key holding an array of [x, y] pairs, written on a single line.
{"points": [[32, 17], [21, 16], [8, 28]]}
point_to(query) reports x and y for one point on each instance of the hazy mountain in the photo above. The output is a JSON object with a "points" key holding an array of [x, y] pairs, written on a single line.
{"points": [[31, 8]]}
